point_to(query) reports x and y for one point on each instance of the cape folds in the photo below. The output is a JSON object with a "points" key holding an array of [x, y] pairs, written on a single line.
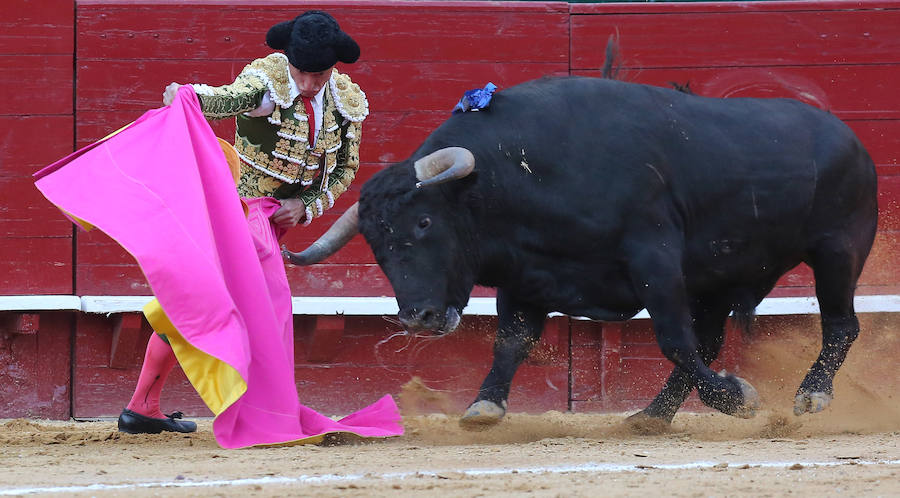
{"points": [[161, 188]]}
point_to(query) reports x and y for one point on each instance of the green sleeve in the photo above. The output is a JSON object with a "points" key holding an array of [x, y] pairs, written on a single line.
{"points": [[244, 95]]}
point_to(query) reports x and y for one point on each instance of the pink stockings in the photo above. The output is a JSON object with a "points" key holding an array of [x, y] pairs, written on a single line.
{"points": [[158, 362]]}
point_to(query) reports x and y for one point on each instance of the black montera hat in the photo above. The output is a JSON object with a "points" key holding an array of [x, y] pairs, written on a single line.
{"points": [[313, 41]]}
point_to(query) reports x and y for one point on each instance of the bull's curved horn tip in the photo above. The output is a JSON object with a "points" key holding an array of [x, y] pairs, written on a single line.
{"points": [[287, 254]]}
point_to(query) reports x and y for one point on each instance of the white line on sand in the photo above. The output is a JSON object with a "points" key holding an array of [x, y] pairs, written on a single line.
{"points": [[599, 468]]}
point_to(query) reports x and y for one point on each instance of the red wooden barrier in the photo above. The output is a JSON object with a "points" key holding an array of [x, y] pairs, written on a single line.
{"points": [[417, 59], [36, 128], [35, 365], [37, 118]]}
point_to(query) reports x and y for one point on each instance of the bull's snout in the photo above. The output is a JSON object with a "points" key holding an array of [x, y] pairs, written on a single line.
{"points": [[416, 319], [429, 318]]}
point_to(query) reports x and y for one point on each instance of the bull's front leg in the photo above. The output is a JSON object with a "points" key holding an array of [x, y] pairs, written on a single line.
{"points": [[658, 277], [710, 314], [519, 328]]}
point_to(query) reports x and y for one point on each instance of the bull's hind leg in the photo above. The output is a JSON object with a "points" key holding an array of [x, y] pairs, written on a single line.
{"points": [[519, 327], [836, 269], [709, 326]]}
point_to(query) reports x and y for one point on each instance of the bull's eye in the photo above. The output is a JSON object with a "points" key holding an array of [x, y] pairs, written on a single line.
{"points": [[422, 227]]}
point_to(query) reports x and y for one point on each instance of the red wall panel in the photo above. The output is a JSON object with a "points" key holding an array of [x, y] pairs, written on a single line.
{"points": [[851, 92], [29, 214], [37, 84], [37, 27], [882, 139], [389, 86], [881, 272], [35, 265], [35, 238], [396, 31], [731, 38], [35, 368], [36, 127], [889, 202], [31, 142]]}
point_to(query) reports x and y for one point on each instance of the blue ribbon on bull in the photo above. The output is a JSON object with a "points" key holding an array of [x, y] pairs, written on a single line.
{"points": [[475, 99]]}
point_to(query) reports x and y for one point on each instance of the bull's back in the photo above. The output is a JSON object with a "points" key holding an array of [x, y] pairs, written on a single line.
{"points": [[578, 130], [759, 184], [616, 146]]}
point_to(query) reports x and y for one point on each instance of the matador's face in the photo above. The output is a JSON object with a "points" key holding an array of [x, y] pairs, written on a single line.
{"points": [[309, 84]]}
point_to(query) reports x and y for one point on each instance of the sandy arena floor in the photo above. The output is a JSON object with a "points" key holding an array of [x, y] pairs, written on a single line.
{"points": [[552, 454], [851, 449]]}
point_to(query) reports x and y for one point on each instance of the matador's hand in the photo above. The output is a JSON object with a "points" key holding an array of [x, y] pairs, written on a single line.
{"points": [[291, 212], [169, 93]]}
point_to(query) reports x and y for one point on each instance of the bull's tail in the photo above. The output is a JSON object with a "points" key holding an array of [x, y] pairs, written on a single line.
{"points": [[611, 65]]}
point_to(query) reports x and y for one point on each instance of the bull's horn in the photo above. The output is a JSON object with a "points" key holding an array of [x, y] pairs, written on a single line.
{"points": [[449, 163], [335, 238]]}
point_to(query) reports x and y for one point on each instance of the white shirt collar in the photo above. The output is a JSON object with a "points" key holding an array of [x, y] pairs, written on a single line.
{"points": [[295, 92], [316, 100]]}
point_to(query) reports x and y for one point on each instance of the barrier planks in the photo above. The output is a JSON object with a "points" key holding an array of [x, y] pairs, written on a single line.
{"points": [[36, 127], [417, 59]]}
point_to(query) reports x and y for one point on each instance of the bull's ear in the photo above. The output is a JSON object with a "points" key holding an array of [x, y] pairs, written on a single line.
{"points": [[464, 188], [471, 178]]}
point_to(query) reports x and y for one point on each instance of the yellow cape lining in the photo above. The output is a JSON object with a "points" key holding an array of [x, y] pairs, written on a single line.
{"points": [[217, 382]]}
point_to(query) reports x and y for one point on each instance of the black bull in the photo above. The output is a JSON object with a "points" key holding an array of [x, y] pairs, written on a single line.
{"points": [[597, 198]]}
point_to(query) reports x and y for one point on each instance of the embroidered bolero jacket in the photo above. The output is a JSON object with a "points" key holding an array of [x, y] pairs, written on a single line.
{"points": [[276, 156]]}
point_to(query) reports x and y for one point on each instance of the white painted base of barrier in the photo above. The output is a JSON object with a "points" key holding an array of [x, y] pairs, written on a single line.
{"points": [[361, 306], [40, 303]]}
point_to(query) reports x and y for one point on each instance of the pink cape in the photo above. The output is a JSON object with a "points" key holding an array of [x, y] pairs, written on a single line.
{"points": [[162, 189]]}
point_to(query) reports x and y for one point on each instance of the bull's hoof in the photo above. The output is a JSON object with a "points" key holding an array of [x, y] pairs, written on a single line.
{"points": [[751, 403], [806, 402], [643, 424], [731, 395], [482, 415]]}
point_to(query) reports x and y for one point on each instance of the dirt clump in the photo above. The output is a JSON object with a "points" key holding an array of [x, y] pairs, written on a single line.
{"points": [[416, 398]]}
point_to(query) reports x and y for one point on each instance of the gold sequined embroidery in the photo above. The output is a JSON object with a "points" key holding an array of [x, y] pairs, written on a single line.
{"points": [[337, 146]]}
